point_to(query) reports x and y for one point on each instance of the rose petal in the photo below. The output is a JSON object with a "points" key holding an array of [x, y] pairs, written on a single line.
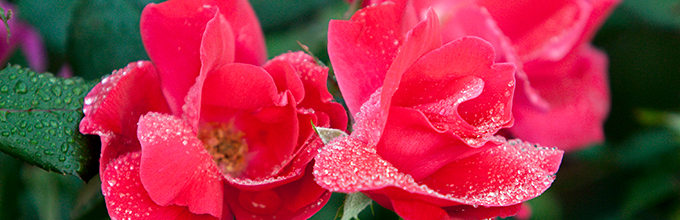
{"points": [[507, 174], [286, 78], [481, 212], [349, 165], [317, 97], [545, 29], [578, 94], [411, 144], [126, 197], [175, 52], [440, 85], [414, 209], [295, 200], [113, 107], [175, 168], [362, 49]]}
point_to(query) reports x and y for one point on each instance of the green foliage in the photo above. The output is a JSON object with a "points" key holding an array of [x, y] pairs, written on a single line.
{"points": [[6, 16], [39, 118], [104, 36]]}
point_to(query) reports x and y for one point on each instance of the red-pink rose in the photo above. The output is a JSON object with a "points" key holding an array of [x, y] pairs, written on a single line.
{"points": [[427, 112], [543, 39], [206, 130]]}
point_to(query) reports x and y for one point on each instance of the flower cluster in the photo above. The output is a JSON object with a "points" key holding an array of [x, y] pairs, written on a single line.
{"points": [[210, 129]]}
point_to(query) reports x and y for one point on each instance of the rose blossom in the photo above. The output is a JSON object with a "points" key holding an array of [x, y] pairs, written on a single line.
{"points": [[207, 129], [427, 112], [561, 78]]}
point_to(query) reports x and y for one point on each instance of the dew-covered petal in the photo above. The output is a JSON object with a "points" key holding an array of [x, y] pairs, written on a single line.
{"points": [[175, 168], [509, 173], [299, 199], [445, 84], [113, 107], [362, 49], [413, 146], [578, 94], [126, 197]]}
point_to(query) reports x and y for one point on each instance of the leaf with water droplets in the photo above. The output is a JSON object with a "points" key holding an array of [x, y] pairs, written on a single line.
{"points": [[39, 117]]}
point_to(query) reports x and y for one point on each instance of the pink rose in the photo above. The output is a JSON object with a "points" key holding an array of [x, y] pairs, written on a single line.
{"points": [[427, 112], [544, 39], [207, 130]]}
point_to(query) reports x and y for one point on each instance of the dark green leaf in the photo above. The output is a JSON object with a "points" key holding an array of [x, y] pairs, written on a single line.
{"points": [[104, 36], [39, 117], [51, 18], [649, 191]]}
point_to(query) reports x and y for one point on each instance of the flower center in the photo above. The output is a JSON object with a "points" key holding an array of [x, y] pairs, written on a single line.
{"points": [[226, 145]]}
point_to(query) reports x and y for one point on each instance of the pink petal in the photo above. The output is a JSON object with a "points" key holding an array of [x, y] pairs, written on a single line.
{"points": [[172, 34], [126, 197], [217, 44], [286, 78], [577, 92], [113, 107], [362, 49], [295, 200], [545, 29], [423, 38], [349, 165], [415, 209], [445, 85], [317, 97], [227, 85], [507, 174], [472, 20], [481, 212], [175, 168], [411, 144]]}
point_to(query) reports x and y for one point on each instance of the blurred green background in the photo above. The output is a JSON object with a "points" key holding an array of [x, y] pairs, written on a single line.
{"points": [[634, 175]]}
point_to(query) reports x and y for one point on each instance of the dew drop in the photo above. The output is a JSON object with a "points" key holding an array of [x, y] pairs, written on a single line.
{"points": [[4, 89], [64, 147], [62, 158], [21, 87], [56, 90], [48, 152]]}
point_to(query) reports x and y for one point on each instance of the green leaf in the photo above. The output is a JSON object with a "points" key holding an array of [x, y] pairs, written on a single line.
{"points": [[328, 134], [354, 204], [104, 36], [39, 117]]}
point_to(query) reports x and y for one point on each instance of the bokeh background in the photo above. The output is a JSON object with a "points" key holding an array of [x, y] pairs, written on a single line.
{"points": [[635, 174]]}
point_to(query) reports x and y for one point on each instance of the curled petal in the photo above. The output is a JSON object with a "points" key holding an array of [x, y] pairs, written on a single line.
{"points": [[175, 168]]}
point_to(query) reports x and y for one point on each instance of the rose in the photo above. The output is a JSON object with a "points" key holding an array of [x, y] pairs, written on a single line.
{"points": [[203, 131], [560, 76], [424, 141]]}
